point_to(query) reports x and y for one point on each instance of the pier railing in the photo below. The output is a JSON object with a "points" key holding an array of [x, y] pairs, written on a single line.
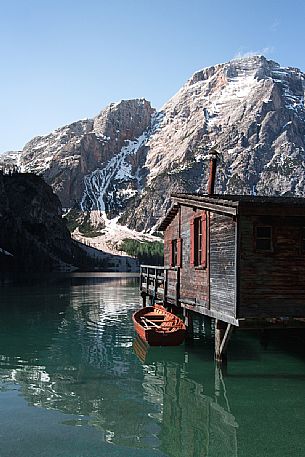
{"points": [[160, 283]]}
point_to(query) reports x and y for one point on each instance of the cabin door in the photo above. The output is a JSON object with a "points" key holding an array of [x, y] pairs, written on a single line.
{"points": [[222, 264]]}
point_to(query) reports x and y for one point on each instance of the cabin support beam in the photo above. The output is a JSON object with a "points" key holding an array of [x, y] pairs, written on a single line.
{"points": [[165, 286], [223, 333], [207, 323], [188, 320], [272, 323], [143, 295]]}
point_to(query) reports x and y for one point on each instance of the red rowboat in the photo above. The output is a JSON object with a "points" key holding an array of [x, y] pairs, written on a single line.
{"points": [[159, 327]]}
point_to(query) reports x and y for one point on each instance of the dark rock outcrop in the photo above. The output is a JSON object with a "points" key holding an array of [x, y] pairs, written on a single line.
{"points": [[31, 227]]}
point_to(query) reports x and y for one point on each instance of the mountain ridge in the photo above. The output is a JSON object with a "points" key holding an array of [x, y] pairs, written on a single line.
{"points": [[126, 162]]}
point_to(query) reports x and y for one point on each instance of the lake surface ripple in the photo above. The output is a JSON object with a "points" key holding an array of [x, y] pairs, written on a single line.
{"points": [[76, 382]]}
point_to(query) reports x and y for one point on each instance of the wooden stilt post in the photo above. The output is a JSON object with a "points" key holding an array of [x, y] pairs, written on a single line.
{"points": [[207, 323], [156, 283], [147, 281], [188, 320], [264, 338], [222, 336], [190, 323], [143, 295], [185, 315], [165, 287], [217, 381], [219, 332], [177, 292]]}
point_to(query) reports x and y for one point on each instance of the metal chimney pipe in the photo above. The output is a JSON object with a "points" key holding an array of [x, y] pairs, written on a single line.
{"points": [[212, 173]]}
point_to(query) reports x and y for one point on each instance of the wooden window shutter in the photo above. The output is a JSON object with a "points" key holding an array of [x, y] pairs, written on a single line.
{"points": [[167, 259], [192, 242], [204, 239], [179, 252]]}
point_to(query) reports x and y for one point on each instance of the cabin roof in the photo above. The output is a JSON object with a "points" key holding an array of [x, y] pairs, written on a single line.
{"points": [[234, 200], [171, 213], [228, 204]]}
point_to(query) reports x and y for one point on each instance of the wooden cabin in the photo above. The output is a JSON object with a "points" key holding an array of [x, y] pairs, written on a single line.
{"points": [[238, 259], [238, 256]]}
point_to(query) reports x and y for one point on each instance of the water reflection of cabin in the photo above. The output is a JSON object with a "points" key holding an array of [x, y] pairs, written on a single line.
{"points": [[238, 259]]}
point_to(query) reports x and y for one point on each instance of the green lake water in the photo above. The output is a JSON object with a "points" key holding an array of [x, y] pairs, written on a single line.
{"points": [[75, 382]]}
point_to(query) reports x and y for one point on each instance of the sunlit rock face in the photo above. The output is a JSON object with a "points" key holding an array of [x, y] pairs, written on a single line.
{"points": [[129, 159], [252, 111], [80, 158]]}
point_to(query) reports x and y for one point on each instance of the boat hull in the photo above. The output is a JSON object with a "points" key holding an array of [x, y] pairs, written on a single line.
{"points": [[167, 331]]}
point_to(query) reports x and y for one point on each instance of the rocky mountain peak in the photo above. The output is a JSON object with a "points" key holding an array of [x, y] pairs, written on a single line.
{"points": [[70, 153], [128, 116], [255, 66], [126, 161]]}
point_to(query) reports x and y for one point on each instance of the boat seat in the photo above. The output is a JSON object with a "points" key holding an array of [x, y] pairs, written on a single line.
{"points": [[154, 316], [167, 324]]}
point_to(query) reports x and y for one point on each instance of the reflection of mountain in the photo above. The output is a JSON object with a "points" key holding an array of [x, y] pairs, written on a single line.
{"points": [[69, 347], [77, 357], [81, 360]]}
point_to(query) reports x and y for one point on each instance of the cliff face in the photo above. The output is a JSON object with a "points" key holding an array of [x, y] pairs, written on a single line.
{"points": [[31, 228], [252, 111], [79, 159], [128, 160]]}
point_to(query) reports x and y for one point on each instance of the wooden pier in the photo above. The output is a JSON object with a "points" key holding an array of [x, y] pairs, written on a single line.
{"points": [[162, 284]]}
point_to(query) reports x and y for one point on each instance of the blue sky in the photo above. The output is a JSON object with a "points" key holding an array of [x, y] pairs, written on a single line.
{"points": [[65, 60]]}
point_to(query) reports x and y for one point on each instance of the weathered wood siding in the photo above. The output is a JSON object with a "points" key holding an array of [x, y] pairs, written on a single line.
{"points": [[171, 233], [272, 284], [194, 281], [222, 264], [194, 285]]}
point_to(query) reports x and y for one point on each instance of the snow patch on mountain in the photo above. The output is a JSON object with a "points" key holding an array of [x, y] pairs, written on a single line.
{"points": [[199, 108], [116, 169], [294, 97], [39, 153], [112, 235], [128, 159]]}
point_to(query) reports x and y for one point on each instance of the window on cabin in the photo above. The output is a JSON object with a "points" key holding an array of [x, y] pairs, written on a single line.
{"points": [[198, 240], [174, 259], [263, 238], [175, 254]]}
